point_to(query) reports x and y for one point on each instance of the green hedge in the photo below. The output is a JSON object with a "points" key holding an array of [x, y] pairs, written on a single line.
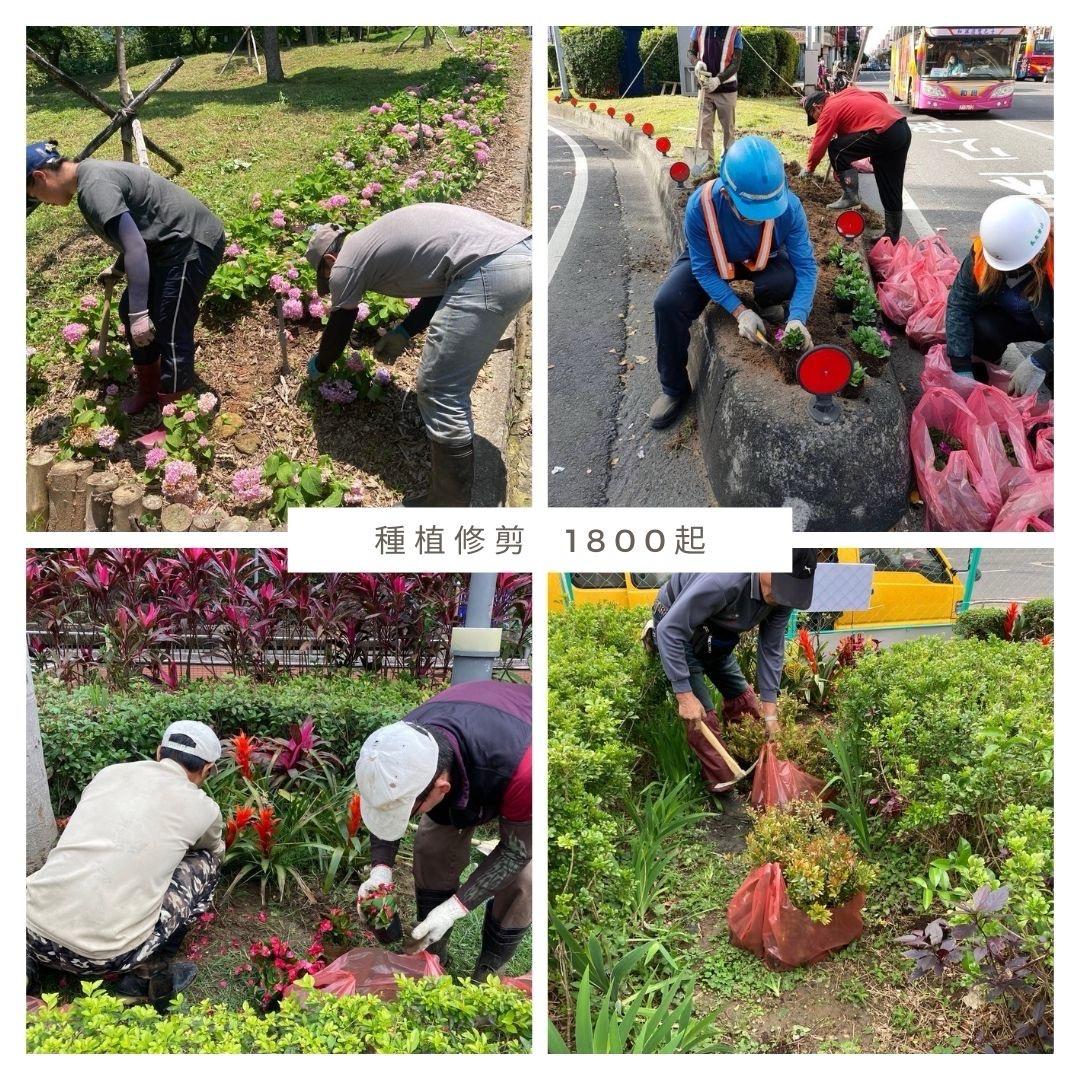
{"points": [[592, 55], [759, 50], [428, 1016], [787, 60], [87, 728], [984, 623], [553, 66], [664, 64]]}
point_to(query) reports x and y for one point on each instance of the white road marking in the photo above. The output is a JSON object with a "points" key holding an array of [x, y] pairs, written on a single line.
{"points": [[916, 217], [560, 238], [1030, 131]]}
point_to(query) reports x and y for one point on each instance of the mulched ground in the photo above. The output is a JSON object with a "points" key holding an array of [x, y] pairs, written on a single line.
{"points": [[383, 444]]}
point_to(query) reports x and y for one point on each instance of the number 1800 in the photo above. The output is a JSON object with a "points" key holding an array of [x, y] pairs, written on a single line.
{"points": [[596, 540]]}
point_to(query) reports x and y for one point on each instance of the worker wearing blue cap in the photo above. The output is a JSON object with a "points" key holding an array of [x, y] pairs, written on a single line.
{"points": [[169, 245], [743, 226]]}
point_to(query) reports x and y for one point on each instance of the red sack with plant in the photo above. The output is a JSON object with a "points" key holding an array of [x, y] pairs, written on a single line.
{"points": [[930, 289], [1044, 448], [885, 255], [937, 371], [776, 782], [1030, 507], [763, 920], [927, 326], [936, 258], [898, 295], [370, 971], [958, 498], [1002, 452]]}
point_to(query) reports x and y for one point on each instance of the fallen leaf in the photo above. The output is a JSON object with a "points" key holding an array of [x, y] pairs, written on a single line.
{"points": [[558, 469]]}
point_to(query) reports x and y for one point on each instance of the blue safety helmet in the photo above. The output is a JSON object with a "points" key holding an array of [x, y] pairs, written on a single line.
{"points": [[752, 172], [39, 154]]}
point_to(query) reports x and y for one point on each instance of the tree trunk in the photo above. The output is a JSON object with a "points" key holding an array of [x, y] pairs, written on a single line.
{"points": [[429, 36], [41, 829], [67, 495], [272, 55], [99, 512], [38, 465], [311, 35], [127, 507]]}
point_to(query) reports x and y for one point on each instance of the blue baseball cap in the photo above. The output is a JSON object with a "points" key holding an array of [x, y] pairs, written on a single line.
{"points": [[39, 154]]}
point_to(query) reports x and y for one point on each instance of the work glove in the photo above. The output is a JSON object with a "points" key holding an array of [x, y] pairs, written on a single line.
{"points": [[701, 73], [710, 84], [439, 922], [794, 324], [314, 374], [391, 345], [750, 325], [380, 875], [772, 727], [1026, 378], [648, 637], [142, 329], [805, 170]]}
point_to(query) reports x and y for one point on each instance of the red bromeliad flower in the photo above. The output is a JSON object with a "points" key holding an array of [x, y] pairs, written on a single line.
{"points": [[354, 814], [806, 643], [241, 818], [1046, 639], [264, 825], [1012, 612], [243, 749]]}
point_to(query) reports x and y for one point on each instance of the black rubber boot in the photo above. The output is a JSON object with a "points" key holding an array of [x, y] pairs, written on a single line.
{"points": [[497, 945], [849, 181], [427, 900], [451, 477], [155, 981], [33, 977], [894, 222]]}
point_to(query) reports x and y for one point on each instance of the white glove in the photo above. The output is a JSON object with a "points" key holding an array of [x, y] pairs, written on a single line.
{"points": [[701, 73], [750, 325], [439, 921], [380, 875], [648, 636], [710, 84], [391, 345], [794, 324], [1027, 378], [804, 169], [142, 329]]}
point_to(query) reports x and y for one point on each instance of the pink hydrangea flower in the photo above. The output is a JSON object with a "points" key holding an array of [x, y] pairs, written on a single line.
{"points": [[412, 183], [367, 191], [88, 302], [339, 391], [363, 311], [207, 402], [180, 481], [411, 301], [107, 436], [354, 496], [234, 251], [335, 201], [316, 309], [292, 309], [295, 293], [474, 130], [355, 362], [30, 351], [94, 348], [482, 157], [155, 456], [256, 201], [365, 203], [383, 376], [292, 273], [112, 390], [278, 283], [247, 487], [277, 219], [204, 442], [188, 416], [169, 409], [74, 332]]}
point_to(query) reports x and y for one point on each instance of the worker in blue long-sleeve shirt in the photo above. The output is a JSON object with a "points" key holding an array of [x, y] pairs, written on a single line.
{"points": [[696, 624], [743, 226]]}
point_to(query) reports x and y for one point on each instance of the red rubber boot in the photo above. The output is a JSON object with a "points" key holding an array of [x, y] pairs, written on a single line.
{"points": [[148, 380]]}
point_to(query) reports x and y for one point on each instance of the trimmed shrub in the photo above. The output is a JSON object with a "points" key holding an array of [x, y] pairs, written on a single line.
{"points": [[428, 1016], [663, 65], [1038, 617], [759, 54], [984, 623], [787, 59], [553, 66], [592, 55], [85, 729]]}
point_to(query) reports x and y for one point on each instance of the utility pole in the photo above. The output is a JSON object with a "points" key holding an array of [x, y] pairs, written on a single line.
{"points": [[564, 85], [477, 644]]}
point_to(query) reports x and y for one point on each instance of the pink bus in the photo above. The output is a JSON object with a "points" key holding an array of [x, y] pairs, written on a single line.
{"points": [[954, 68]]}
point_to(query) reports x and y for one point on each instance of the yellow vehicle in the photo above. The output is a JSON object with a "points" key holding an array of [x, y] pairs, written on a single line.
{"points": [[911, 587]]}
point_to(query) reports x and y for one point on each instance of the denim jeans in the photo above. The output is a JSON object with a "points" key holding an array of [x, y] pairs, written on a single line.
{"points": [[475, 311], [721, 669]]}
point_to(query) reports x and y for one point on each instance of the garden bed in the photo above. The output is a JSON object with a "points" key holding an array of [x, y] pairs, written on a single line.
{"points": [[367, 452]]}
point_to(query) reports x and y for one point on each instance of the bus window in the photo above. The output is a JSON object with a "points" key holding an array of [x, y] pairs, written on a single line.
{"points": [[1044, 47], [967, 58]]}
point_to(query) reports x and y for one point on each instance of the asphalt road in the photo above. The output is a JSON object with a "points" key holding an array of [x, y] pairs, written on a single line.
{"points": [[607, 259], [959, 163], [1007, 574]]}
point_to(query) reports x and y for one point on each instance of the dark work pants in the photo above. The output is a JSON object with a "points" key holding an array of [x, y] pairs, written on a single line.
{"points": [[681, 299], [887, 151], [175, 292], [995, 329]]}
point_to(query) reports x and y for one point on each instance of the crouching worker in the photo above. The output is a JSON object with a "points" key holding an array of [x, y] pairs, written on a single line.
{"points": [[460, 760], [472, 273], [134, 868], [697, 621], [1004, 293], [169, 246], [743, 226]]}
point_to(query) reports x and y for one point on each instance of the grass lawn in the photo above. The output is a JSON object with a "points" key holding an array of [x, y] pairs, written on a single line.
{"points": [[780, 120]]}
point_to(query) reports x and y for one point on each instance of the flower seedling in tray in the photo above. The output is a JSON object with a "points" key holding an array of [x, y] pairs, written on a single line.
{"points": [[869, 341], [380, 913], [791, 341]]}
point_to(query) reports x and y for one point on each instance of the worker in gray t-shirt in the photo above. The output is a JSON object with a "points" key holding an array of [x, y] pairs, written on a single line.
{"points": [[169, 245], [471, 272]]}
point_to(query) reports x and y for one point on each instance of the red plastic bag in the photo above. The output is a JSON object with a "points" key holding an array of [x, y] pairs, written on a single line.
{"points": [[937, 259], [371, 971], [863, 165], [1030, 507], [937, 371], [763, 920], [927, 326], [881, 256], [898, 295], [518, 982], [1044, 448], [930, 290], [776, 782], [958, 498], [997, 417]]}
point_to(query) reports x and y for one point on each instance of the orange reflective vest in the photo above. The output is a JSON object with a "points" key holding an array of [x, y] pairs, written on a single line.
{"points": [[724, 266]]}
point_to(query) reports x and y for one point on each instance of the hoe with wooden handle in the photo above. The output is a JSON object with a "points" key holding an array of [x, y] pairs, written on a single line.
{"points": [[739, 772]]}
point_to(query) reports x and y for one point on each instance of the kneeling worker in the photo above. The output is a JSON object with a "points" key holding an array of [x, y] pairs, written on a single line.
{"points": [[473, 274], [697, 620], [460, 760], [134, 868], [743, 226]]}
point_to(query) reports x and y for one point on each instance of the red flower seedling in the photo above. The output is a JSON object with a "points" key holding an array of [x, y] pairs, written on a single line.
{"points": [[264, 825], [241, 818], [1012, 614], [806, 644], [378, 907], [243, 749], [353, 824]]}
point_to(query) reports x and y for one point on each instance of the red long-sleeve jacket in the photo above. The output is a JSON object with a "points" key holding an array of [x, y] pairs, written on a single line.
{"points": [[846, 112]]}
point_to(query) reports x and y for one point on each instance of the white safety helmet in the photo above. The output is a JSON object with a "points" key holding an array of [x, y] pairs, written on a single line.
{"points": [[1013, 231]]}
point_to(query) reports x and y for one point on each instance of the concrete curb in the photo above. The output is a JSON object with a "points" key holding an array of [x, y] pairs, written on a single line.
{"points": [[759, 444]]}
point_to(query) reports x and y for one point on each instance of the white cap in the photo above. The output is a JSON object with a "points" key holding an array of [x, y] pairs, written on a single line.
{"points": [[396, 764], [1013, 230], [207, 746]]}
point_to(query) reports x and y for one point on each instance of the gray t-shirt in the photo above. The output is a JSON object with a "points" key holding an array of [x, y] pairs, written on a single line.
{"points": [[417, 250], [170, 219]]}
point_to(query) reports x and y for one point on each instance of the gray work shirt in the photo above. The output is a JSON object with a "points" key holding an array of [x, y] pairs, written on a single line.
{"points": [[417, 250], [169, 219], [728, 602]]}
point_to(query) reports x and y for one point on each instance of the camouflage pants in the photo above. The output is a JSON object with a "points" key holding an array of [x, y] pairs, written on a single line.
{"points": [[189, 895]]}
